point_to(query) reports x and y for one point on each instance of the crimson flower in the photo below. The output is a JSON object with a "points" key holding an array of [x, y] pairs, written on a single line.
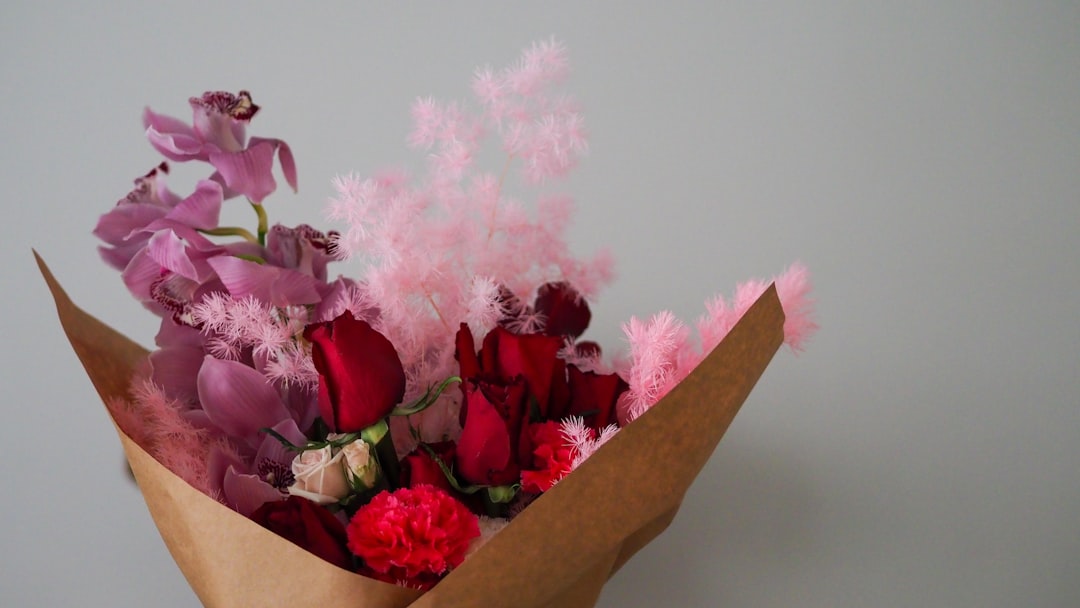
{"points": [[419, 468], [412, 536], [360, 375], [308, 525], [552, 457]]}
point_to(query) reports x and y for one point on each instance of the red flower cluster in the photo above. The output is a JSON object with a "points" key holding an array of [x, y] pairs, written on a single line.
{"points": [[412, 535], [513, 383]]}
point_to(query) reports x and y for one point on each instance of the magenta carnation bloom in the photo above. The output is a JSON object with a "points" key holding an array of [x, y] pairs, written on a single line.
{"points": [[412, 536]]}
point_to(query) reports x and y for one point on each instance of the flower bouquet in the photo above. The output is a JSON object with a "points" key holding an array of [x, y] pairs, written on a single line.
{"points": [[436, 432]]}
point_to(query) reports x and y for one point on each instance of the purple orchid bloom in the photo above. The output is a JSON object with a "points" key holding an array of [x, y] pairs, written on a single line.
{"points": [[122, 228], [217, 136], [247, 485], [302, 248], [238, 401]]}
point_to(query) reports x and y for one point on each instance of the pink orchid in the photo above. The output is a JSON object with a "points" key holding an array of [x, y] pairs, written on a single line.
{"points": [[217, 136], [122, 228]]}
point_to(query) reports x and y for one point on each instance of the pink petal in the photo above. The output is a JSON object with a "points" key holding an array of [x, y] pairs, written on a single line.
{"points": [[175, 368], [139, 274], [249, 171], [170, 252], [118, 224], [202, 209], [238, 399], [172, 138], [278, 286], [285, 157], [245, 493]]}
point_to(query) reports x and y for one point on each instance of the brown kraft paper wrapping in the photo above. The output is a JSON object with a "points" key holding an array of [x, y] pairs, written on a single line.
{"points": [[557, 553]]}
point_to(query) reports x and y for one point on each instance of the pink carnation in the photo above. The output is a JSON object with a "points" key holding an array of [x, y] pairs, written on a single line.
{"points": [[412, 536]]}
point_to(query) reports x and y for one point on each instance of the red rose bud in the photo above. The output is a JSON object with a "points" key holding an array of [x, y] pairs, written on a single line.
{"points": [[593, 396], [534, 357], [360, 375], [565, 311], [308, 525], [420, 468], [492, 416]]}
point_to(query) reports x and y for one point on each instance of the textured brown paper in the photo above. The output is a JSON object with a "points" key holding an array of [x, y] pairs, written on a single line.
{"points": [[557, 553]]}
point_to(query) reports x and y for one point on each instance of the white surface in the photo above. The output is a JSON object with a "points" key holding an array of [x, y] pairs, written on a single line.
{"points": [[922, 160]]}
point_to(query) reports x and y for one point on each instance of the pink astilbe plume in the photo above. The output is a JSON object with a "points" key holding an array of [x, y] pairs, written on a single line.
{"points": [[662, 353], [439, 250], [655, 346]]}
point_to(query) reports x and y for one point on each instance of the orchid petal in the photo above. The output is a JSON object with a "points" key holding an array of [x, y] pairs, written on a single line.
{"points": [[248, 171], [238, 399], [202, 209], [285, 157], [272, 449], [171, 335], [278, 286], [175, 368], [121, 221], [140, 274], [174, 139], [120, 256], [245, 493], [170, 252]]}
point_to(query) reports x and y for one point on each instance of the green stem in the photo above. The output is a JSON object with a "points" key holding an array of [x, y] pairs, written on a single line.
{"points": [[261, 213], [231, 231]]}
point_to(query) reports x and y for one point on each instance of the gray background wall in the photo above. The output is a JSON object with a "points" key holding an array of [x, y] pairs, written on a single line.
{"points": [[921, 158]]}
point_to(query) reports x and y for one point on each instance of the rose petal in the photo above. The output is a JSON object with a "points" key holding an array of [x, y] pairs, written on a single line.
{"points": [[360, 375], [566, 311]]}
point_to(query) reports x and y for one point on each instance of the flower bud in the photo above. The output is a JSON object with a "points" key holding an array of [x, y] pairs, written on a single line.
{"points": [[320, 476], [361, 465]]}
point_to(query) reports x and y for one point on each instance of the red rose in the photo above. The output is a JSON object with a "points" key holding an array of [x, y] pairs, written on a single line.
{"points": [[492, 419], [506, 355], [412, 536], [566, 312], [552, 458], [593, 396], [360, 375], [420, 468], [308, 525]]}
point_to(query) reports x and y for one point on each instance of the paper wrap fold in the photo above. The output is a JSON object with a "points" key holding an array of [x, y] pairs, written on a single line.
{"points": [[557, 553]]}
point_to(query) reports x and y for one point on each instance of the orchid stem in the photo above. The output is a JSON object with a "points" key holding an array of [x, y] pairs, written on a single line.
{"points": [[262, 229], [230, 231]]}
